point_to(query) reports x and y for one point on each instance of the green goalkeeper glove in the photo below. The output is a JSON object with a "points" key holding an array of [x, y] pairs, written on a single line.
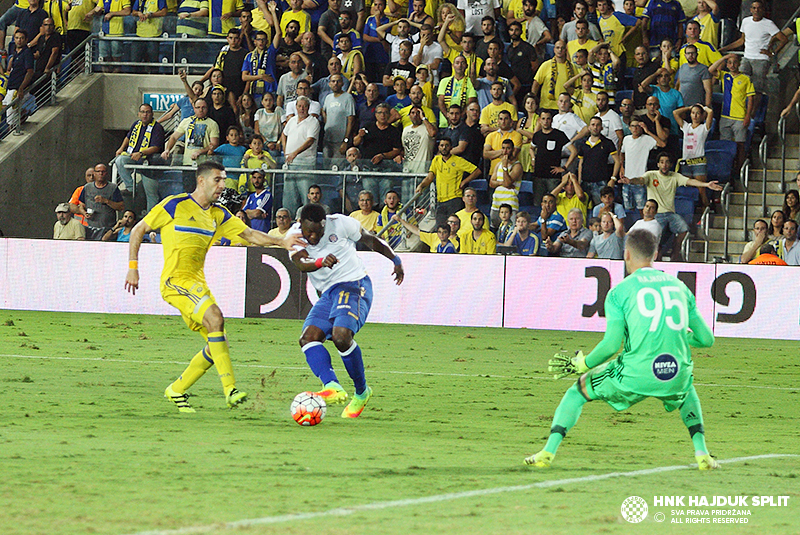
{"points": [[562, 365]]}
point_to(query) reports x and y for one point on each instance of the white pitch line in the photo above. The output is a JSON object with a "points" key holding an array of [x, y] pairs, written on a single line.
{"points": [[391, 372], [377, 506]]}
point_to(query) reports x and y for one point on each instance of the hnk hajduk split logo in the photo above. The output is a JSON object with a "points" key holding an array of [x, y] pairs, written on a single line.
{"points": [[634, 509]]}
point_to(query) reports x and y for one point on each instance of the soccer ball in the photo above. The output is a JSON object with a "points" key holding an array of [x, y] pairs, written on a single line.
{"points": [[308, 408]]}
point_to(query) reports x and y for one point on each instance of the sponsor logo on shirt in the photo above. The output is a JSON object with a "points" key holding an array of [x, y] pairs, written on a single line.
{"points": [[665, 367]]}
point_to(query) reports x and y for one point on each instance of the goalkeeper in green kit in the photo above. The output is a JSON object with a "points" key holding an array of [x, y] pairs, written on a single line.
{"points": [[656, 317]]}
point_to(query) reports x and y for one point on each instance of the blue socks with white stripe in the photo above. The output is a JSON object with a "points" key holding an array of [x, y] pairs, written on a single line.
{"points": [[354, 365], [319, 360]]}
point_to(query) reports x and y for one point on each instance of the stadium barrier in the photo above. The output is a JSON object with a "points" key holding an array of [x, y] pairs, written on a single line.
{"points": [[449, 290]]}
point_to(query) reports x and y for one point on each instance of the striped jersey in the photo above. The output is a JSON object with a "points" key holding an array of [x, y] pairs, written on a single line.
{"points": [[187, 232]]}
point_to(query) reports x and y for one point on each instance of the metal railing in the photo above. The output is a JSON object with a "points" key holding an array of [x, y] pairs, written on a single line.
{"points": [[43, 90], [744, 176], [347, 180], [762, 154], [782, 135], [184, 49]]}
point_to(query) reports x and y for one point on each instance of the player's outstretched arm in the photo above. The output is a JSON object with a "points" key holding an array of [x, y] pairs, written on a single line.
{"points": [[380, 246], [609, 345], [256, 237], [701, 334], [137, 235]]}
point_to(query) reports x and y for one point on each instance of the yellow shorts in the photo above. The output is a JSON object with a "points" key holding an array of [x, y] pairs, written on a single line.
{"points": [[191, 298]]}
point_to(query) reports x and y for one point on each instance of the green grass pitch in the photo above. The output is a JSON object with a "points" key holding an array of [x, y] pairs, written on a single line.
{"points": [[89, 445]]}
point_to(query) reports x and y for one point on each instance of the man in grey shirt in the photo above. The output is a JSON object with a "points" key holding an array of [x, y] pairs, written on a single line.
{"points": [[568, 32], [339, 114], [693, 80], [573, 242], [102, 200], [610, 242]]}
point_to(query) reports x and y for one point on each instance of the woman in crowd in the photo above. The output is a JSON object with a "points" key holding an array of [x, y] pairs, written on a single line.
{"points": [[456, 28], [791, 204], [268, 124], [247, 115], [693, 162], [775, 230], [527, 126]]}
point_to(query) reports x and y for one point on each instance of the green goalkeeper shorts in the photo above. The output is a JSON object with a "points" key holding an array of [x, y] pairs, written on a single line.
{"points": [[604, 383]]}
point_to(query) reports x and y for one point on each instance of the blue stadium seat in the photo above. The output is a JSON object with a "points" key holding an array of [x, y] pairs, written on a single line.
{"points": [[685, 201], [549, 51], [526, 197], [481, 186], [619, 96], [720, 155], [757, 122]]}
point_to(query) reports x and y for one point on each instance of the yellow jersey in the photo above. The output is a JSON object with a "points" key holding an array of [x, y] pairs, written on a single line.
{"points": [[706, 53], [449, 175], [369, 222], [302, 18], [485, 244], [735, 90], [573, 47], [491, 113], [709, 29], [217, 8], [187, 233]]}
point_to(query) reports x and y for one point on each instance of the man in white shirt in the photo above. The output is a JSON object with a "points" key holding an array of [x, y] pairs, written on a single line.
{"points": [[569, 123], [612, 122], [303, 90], [428, 51], [337, 272], [757, 32], [473, 12], [299, 142], [648, 221], [633, 155]]}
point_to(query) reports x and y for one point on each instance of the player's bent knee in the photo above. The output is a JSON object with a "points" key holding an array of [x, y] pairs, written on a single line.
{"points": [[311, 334], [342, 339], [213, 320]]}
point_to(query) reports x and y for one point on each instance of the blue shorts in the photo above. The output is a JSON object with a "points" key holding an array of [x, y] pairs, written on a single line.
{"points": [[345, 305]]}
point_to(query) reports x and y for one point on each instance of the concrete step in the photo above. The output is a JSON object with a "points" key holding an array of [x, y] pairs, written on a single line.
{"points": [[792, 164], [756, 181], [773, 199]]}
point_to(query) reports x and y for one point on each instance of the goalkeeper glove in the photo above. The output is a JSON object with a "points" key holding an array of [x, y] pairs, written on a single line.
{"points": [[562, 365]]}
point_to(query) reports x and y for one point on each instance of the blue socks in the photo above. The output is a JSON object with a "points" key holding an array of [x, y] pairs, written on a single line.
{"points": [[319, 360], [354, 365]]}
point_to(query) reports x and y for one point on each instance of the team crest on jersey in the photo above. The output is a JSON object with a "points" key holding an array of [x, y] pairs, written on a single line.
{"points": [[334, 238], [665, 367], [655, 182]]}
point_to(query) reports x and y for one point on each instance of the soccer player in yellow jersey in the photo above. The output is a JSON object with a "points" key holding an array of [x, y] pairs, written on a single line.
{"points": [[189, 224]]}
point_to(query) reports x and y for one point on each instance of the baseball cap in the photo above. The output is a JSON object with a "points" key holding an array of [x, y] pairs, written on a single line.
{"points": [[63, 207]]}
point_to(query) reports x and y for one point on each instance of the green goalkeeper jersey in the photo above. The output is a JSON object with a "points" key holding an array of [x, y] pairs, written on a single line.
{"points": [[655, 316]]}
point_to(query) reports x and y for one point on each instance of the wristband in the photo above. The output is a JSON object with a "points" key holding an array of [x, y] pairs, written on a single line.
{"points": [[396, 260], [133, 264], [318, 262]]}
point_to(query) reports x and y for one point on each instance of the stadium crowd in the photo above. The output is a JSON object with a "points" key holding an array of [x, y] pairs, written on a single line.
{"points": [[545, 126]]}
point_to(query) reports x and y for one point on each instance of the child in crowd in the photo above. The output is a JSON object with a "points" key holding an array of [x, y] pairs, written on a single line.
{"points": [[268, 124], [594, 226], [506, 227], [231, 153], [254, 158]]}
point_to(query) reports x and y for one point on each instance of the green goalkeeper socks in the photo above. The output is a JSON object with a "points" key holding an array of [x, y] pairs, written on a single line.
{"points": [[692, 416], [565, 418]]}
